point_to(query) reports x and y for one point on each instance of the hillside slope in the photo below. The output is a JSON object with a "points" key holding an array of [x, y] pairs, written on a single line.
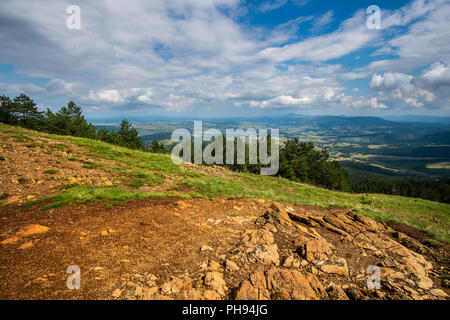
{"points": [[139, 226]]}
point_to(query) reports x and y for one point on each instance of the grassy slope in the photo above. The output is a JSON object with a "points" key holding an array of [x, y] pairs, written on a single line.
{"points": [[154, 169]]}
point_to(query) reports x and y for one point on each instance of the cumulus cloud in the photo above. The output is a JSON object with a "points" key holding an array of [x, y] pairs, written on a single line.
{"points": [[185, 55], [363, 102], [402, 87], [437, 76]]}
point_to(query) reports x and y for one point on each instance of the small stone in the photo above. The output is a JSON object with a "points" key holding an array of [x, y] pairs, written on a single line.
{"points": [[138, 291], [270, 227], [116, 293], [255, 237], [10, 240], [336, 293], [206, 248], [211, 295], [26, 245], [439, 293], [288, 262], [425, 283], [215, 281], [267, 254], [338, 268], [255, 288], [104, 233], [151, 294], [231, 266], [316, 249], [192, 294], [380, 294], [276, 214], [214, 266], [31, 230]]}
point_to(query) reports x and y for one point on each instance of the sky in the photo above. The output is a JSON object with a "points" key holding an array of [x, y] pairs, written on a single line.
{"points": [[228, 58]]}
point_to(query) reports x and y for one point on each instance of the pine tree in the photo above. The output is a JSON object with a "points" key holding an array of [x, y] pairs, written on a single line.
{"points": [[7, 111], [129, 136], [25, 110]]}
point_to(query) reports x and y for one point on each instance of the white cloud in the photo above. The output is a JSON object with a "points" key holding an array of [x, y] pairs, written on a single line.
{"points": [[271, 5], [106, 96], [362, 102], [425, 41], [320, 22], [437, 75], [285, 101], [402, 87], [351, 35], [181, 55]]}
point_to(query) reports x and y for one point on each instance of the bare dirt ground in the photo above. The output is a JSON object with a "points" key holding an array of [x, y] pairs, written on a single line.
{"points": [[208, 249], [158, 236]]}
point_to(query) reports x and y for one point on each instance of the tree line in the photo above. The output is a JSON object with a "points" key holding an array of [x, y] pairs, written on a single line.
{"points": [[69, 120], [299, 161], [430, 189]]}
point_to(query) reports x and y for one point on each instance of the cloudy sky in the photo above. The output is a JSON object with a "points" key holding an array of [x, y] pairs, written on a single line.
{"points": [[210, 58]]}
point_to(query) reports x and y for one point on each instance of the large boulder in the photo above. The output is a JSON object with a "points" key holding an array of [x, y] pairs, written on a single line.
{"points": [[315, 250], [276, 214]]}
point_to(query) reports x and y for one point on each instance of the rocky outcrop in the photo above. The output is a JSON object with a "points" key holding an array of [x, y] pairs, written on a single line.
{"points": [[305, 256]]}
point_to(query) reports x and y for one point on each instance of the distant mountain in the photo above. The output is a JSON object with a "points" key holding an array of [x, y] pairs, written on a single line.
{"points": [[414, 118]]}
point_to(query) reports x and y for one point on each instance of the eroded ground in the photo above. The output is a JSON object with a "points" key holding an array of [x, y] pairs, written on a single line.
{"points": [[211, 249], [202, 247]]}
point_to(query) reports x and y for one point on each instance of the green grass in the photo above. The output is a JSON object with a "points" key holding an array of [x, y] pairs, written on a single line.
{"points": [[139, 168], [60, 147], [94, 165], [80, 194], [22, 180], [428, 216], [22, 138], [51, 171], [432, 242], [137, 183]]}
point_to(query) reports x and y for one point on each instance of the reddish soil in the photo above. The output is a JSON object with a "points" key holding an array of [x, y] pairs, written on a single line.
{"points": [[158, 236]]}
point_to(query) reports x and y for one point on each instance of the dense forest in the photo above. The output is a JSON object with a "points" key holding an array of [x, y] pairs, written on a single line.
{"points": [[299, 161], [430, 189]]}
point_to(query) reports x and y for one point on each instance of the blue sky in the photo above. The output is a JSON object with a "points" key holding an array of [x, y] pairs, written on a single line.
{"points": [[213, 58]]}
